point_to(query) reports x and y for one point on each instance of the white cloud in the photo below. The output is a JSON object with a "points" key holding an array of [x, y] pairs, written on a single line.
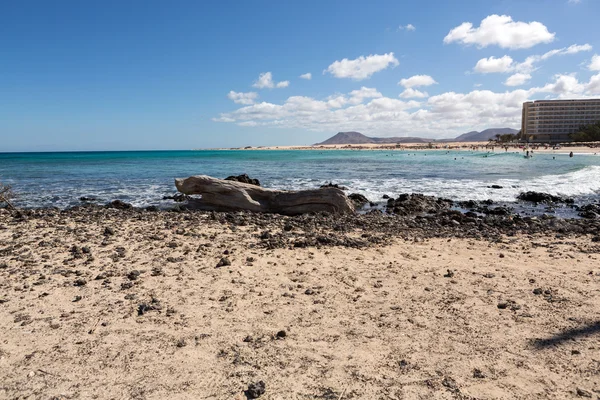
{"points": [[506, 64], [502, 31], [565, 86], [574, 1], [573, 49], [307, 76], [444, 115], [593, 87], [413, 93], [416, 81], [243, 98], [362, 67], [595, 63], [409, 27], [265, 80], [357, 96], [493, 64], [517, 79]]}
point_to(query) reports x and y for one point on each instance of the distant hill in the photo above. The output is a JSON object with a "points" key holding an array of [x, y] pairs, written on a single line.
{"points": [[484, 136], [359, 138]]}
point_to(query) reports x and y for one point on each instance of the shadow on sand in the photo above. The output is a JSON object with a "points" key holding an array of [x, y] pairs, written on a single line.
{"points": [[570, 334]]}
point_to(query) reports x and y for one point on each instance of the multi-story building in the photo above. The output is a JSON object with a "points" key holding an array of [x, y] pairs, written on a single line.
{"points": [[554, 120]]}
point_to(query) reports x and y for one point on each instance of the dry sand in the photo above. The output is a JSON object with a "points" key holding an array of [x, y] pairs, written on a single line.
{"points": [[409, 320]]}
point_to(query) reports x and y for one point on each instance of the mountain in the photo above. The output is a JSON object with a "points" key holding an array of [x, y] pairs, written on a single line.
{"points": [[359, 138], [484, 136]]}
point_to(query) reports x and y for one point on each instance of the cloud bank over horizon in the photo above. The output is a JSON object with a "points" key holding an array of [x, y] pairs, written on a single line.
{"points": [[412, 110]]}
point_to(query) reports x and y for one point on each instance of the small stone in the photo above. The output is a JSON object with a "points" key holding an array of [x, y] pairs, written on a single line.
{"points": [[583, 393], [478, 374], [80, 282], [108, 231], [489, 275], [502, 305], [575, 352], [281, 335], [309, 292], [449, 274], [248, 339], [181, 343], [133, 275], [224, 262], [255, 390], [537, 291], [501, 255]]}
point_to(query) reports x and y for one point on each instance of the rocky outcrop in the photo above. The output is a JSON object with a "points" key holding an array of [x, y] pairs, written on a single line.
{"points": [[244, 178], [407, 204], [358, 200], [538, 197], [226, 195]]}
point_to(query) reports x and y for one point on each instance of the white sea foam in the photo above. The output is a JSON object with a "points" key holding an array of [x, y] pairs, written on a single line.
{"points": [[577, 183]]}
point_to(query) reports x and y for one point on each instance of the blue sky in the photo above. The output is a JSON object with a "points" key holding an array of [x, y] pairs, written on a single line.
{"points": [[186, 74]]}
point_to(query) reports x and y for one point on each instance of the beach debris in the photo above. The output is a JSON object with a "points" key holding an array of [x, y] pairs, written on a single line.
{"points": [[225, 195], [255, 390]]}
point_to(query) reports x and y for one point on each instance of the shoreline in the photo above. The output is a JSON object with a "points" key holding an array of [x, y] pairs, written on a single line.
{"points": [[138, 304], [450, 146]]}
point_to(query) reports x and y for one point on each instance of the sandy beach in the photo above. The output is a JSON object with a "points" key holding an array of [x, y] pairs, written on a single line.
{"points": [[106, 303]]}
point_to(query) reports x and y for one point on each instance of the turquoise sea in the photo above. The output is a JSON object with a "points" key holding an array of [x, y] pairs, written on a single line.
{"points": [[144, 177]]}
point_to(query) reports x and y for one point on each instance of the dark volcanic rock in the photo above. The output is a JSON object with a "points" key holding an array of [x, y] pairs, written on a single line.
{"points": [[407, 204], [538, 197], [179, 198], [333, 185], [244, 178], [119, 205], [358, 200], [255, 390], [590, 211]]}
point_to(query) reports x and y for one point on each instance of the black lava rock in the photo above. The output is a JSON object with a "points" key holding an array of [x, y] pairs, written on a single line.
{"points": [[244, 178], [255, 390]]}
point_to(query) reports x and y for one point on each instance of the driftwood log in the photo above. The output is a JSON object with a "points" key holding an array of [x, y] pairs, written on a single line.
{"points": [[221, 195]]}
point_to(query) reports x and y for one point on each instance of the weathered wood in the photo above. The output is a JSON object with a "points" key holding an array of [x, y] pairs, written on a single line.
{"points": [[221, 195]]}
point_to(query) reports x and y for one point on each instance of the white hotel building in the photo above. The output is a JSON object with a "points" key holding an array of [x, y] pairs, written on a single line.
{"points": [[554, 120]]}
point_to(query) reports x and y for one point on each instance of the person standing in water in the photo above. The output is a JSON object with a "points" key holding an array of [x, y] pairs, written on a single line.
{"points": [[571, 154]]}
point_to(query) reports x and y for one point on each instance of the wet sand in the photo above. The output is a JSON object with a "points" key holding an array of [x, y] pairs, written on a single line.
{"points": [[200, 305]]}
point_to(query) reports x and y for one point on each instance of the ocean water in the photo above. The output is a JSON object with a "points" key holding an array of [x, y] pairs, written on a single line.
{"points": [[144, 177]]}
